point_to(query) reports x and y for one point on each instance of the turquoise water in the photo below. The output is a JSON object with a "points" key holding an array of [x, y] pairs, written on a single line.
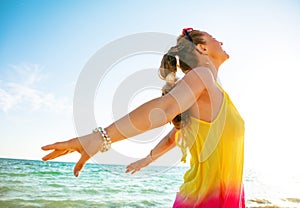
{"points": [[28, 183]]}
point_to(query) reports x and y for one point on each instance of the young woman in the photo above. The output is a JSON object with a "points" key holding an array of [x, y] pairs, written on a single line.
{"points": [[202, 113]]}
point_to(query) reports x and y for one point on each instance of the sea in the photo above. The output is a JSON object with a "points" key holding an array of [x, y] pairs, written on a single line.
{"points": [[34, 183]]}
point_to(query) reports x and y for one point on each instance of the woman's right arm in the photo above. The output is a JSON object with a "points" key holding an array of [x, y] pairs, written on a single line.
{"points": [[150, 115], [162, 110], [166, 144]]}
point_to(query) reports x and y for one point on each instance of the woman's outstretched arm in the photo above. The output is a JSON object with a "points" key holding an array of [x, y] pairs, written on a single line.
{"points": [[162, 110], [152, 114], [166, 144]]}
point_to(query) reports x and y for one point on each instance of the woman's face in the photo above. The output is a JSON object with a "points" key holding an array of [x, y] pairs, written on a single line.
{"points": [[213, 49]]}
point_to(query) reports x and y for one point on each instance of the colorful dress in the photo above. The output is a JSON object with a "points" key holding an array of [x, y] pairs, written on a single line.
{"points": [[214, 179]]}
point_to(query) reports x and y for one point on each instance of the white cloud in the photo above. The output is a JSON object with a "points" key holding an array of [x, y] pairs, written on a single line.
{"points": [[24, 93], [29, 74], [7, 101]]}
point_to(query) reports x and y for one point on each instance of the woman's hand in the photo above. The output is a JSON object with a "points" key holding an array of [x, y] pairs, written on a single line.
{"points": [[138, 165], [87, 146]]}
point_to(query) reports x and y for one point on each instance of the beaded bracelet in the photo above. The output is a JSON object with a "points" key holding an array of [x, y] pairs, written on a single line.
{"points": [[106, 139]]}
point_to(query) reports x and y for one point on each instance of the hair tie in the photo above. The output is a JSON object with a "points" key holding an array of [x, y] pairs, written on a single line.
{"points": [[186, 31]]}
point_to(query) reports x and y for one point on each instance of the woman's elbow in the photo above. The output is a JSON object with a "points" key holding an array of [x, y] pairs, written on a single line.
{"points": [[172, 136], [171, 141]]}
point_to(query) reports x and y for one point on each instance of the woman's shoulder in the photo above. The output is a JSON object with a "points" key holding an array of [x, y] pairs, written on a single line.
{"points": [[202, 70], [204, 75]]}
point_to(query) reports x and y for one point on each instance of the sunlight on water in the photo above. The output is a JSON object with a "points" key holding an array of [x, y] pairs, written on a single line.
{"points": [[26, 183], [280, 188]]}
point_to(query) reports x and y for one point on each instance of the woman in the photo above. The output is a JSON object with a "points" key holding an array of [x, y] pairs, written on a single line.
{"points": [[210, 126]]}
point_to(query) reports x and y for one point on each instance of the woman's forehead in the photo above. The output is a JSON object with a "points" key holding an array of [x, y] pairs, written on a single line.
{"points": [[206, 34]]}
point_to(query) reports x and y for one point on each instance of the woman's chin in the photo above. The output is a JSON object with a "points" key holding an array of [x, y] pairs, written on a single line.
{"points": [[226, 56]]}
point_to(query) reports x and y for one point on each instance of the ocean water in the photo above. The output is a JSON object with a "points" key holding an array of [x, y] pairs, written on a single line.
{"points": [[29, 183]]}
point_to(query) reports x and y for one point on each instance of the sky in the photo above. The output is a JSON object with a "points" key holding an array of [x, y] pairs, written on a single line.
{"points": [[45, 45]]}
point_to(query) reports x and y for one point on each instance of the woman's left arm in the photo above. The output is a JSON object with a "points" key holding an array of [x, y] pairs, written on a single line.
{"points": [[166, 144]]}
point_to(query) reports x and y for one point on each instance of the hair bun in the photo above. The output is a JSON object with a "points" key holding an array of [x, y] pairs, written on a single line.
{"points": [[173, 51]]}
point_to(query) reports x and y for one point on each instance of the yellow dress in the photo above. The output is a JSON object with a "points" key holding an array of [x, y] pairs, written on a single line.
{"points": [[216, 167]]}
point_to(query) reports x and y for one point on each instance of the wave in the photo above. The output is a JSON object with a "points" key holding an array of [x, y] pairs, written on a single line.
{"points": [[264, 203], [294, 200], [268, 207]]}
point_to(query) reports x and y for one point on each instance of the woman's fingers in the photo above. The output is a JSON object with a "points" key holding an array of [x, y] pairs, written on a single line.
{"points": [[135, 170], [60, 145], [57, 145], [133, 167], [80, 164], [55, 154], [128, 168], [60, 148], [84, 146]]}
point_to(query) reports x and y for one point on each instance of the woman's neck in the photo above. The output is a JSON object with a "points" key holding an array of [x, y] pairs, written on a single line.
{"points": [[213, 68], [211, 64]]}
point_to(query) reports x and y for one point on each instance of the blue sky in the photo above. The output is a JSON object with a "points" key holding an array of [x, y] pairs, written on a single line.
{"points": [[44, 45]]}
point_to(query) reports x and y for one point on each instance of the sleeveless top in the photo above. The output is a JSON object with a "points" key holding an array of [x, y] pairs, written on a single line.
{"points": [[214, 179]]}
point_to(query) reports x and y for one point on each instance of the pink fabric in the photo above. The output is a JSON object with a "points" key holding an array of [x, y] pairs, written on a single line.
{"points": [[231, 201]]}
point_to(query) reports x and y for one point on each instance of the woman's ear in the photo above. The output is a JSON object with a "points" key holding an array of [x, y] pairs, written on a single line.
{"points": [[202, 48]]}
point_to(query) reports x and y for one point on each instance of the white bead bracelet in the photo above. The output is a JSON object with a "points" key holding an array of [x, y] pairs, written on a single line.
{"points": [[106, 139]]}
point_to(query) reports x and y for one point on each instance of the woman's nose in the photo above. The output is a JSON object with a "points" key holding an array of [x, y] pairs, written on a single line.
{"points": [[221, 43]]}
